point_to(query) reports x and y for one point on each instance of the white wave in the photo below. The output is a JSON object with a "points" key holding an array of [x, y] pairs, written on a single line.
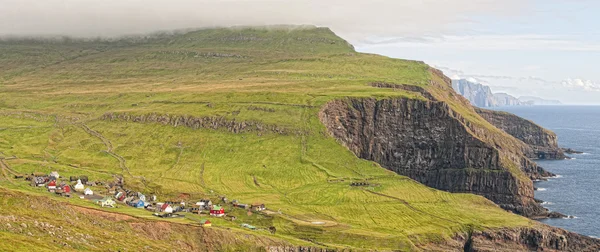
{"points": [[557, 176], [570, 217], [547, 203], [540, 189]]}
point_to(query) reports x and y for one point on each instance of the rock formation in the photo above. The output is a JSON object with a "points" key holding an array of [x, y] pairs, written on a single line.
{"points": [[543, 142], [427, 140], [535, 238], [208, 122]]}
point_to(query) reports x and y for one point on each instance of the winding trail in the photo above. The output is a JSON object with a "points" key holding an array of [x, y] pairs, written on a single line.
{"points": [[5, 168], [110, 151]]}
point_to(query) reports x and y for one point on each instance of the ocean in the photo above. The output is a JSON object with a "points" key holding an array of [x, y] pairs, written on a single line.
{"points": [[576, 190]]}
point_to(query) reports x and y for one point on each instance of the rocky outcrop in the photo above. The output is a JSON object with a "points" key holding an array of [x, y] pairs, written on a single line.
{"points": [[535, 238], [429, 142], [543, 142], [212, 122]]}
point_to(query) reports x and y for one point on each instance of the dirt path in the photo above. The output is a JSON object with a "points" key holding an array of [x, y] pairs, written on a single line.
{"points": [[109, 150], [5, 168]]}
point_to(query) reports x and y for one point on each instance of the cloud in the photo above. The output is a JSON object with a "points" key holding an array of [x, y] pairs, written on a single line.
{"points": [[353, 18], [581, 85], [484, 42]]}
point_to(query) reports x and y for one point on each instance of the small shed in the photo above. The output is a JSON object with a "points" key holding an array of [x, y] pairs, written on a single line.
{"points": [[248, 226], [88, 191], [205, 223], [258, 207]]}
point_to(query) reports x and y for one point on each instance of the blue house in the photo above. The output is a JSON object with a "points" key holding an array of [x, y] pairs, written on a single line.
{"points": [[137, 203]]}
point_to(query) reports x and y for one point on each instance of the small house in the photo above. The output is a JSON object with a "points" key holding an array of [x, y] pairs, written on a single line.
{"points": [[166, 208], [88, 191], [205, 203], [137, 203], [52, 186], [79, 186], [120, 196], [66, 189], [205, 223], [243, 206], [141, 196], [258, 207], [112, 189], [106, 202], [38, 181], [217, 211], [128, 199], [195, 210]]}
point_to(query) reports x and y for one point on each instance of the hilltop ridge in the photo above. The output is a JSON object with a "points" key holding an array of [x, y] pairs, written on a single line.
{"points": [[340, 146]]}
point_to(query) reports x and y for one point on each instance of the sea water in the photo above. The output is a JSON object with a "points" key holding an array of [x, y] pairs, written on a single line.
{"points": [[576, 190]]}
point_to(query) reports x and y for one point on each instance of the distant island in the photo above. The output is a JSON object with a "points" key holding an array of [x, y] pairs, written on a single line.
{"points": [[532, 100], [482, 96]]}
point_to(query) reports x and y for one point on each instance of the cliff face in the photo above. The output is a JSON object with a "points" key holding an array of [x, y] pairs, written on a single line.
{"points": [[543, 142], [504, 99], [427, 141], [536, 238], [479, 95]]}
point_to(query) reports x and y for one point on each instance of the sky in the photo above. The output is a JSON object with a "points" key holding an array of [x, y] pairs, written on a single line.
{"points": [[545, 48]]}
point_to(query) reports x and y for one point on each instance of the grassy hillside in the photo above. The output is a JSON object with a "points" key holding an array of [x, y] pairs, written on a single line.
{"points": [[57, 98]]}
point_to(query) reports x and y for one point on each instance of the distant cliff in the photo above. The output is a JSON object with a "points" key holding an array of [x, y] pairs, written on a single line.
{"points": [[481, 96]]}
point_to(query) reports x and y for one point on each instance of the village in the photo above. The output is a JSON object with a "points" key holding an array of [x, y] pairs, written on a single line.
{"points": [[114, 195]]}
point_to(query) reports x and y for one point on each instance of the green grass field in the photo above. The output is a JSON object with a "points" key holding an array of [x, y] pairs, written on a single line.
{"points": [[53, 96]]}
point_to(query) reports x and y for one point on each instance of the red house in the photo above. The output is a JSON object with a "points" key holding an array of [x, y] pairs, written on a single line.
{"points": [[52, 186], [67, 189], [217, 211]]}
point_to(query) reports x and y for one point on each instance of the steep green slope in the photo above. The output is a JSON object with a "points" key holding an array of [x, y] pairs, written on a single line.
{"points": [[233, 112]]}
